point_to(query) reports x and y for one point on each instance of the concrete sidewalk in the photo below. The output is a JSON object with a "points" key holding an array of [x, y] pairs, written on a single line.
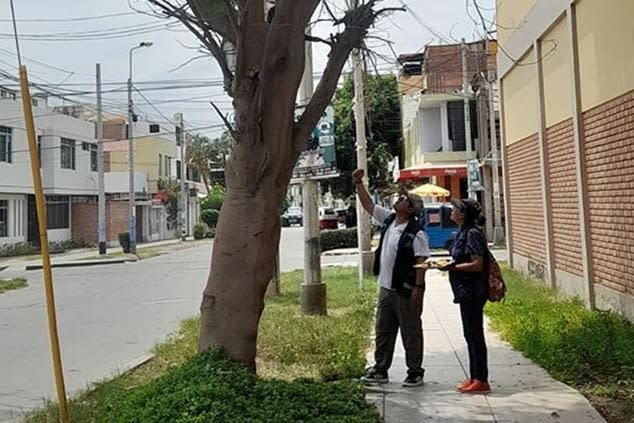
{"points": [[80, 257], [521, 390]]}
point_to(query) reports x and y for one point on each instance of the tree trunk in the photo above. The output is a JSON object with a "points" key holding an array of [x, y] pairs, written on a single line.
{"points": [[245, 247]]}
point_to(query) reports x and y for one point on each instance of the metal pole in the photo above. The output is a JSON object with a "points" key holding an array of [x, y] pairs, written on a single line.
{"points": [[46, 258], [467, 115], [132, 192], [100, 168], [363, 220], [313, 290], [498, 230], [182, 203]]}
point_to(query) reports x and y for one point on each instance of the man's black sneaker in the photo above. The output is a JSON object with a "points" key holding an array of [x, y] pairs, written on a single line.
{"points": [[373, 376], [414, 379]]}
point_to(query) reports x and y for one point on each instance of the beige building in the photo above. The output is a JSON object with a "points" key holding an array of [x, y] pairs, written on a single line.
{"points": [[155, 150], [567, 91]]}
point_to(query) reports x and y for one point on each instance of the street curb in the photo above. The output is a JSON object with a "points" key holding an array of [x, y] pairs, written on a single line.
{"points": [[81, 263]]}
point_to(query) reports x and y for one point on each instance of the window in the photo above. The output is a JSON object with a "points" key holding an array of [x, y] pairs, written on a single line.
{"points": [[433, 217], [94, 157], [168, 167], [4, 218], [34, 102], [68, 153], [5, 144], [178, 169], [160, 165], [195, 175], [85, 146], [155, 128], [57, 212], [39, 149]]}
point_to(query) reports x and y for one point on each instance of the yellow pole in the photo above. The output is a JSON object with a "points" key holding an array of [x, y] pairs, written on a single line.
{"points": [[46, 258]]}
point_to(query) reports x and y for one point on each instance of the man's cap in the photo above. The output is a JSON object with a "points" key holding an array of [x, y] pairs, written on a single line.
{"points": [[415, 200]]}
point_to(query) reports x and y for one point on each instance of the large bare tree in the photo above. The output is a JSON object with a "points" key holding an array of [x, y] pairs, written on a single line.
{"points": [[267, 45]]}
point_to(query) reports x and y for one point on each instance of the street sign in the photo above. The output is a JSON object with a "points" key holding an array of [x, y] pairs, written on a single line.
{"points": [[475, 177], [319, 160]]}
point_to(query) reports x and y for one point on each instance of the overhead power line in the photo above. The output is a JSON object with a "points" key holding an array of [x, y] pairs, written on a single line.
{"points": [[73, 19]]}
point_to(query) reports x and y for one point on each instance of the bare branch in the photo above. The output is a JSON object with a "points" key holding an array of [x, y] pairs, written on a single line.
{"points": [[217, 15], [230, 128], [329, 10], [314, 39], [203, 32], [357, 22], [193, 59]]}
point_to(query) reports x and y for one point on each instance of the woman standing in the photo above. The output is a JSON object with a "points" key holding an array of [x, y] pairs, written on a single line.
{"points": [[469, 286]]}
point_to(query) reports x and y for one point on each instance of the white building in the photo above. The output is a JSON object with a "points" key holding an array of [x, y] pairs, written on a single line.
{"points": [[68, 155]]}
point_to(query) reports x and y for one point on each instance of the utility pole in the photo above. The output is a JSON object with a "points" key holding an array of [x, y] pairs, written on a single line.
{"points": [[467, 116], [100, 168], [182, 202], [363, 219], [498, 229], [132, 192], [313, 290]]}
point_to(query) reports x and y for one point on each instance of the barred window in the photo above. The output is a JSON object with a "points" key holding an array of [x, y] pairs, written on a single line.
{"points": [[68, 153], [4, 218], [6, 135], [57, 212], [93, 157]]}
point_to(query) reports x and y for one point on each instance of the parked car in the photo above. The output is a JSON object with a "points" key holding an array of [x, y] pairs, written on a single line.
{"points": [[328, 218], [292, 216], [440, 229]]}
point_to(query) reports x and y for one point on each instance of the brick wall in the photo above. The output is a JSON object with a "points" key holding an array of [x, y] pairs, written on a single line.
{"points": [[117, 219], [84, 222], [527, 218], [564, 199], [609, 144]]}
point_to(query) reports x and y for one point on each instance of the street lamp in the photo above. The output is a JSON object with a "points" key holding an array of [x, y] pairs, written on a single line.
{"points": [[132, 202]]}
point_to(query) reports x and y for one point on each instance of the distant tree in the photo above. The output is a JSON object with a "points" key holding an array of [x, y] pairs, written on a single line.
{"points": [[197, 156], [205, 154], [383, 128]]}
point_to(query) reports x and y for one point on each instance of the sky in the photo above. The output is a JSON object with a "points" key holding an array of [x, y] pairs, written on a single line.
{"points": [[69, 65]]}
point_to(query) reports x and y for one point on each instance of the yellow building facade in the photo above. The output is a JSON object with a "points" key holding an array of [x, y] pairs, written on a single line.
{"points": [[566, 72]]}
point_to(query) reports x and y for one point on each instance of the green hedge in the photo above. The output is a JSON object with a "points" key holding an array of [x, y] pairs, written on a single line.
{"points": [[340, 238], [210, 217]]}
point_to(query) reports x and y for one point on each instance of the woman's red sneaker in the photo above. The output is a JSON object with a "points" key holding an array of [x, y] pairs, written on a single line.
{"points": [[477, 387], [464, 384]]}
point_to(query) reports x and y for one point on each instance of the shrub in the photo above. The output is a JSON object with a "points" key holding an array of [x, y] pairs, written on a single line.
{"points": [[18, 249], [124, 241], [72, 244], [340, 238], [210, 217], [199, 231], [213, 200]]}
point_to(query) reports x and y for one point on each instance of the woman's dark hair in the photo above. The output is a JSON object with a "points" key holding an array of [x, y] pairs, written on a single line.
{"points": [[472, 211]]}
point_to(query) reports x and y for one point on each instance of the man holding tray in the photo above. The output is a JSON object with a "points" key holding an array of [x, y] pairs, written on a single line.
{"points": [[403, 245]]}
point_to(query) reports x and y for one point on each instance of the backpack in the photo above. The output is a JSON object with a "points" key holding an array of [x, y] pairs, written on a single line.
{"points": [[497, 287]]}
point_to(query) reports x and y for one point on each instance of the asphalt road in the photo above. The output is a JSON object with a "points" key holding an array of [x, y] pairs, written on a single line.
{"points": [[109, 318]]}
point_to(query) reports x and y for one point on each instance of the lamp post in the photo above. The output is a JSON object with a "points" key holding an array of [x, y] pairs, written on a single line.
{"points": [[131, 202]]}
